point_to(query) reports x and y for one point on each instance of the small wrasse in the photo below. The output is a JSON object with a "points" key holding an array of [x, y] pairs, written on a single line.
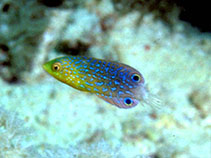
{"points": [[116, 83]]}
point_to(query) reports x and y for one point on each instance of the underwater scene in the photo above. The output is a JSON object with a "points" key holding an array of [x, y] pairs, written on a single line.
{"points": [[105, 79]]}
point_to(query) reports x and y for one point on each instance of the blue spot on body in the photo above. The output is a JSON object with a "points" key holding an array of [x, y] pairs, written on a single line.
{"points": [[128, 92], [94, 61], [89, 84], [103, 64], [77, 62], [99, 83], [82, 86], [120, 92], [89, 59], [81, 72], [79, 66], [102, 76], [105, 89], [126, 73], [109, 83], [121, 86], [116, 82], [106, 69], [94, 76], [120, 68], [95, 89], [121, 74], [113, 89], [91, 68], [84, 78], [111, 71], [97, 70], [124, 77]]}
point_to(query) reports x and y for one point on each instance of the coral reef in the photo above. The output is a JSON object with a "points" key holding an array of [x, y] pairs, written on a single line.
{"points": [[14, 142], [22, 24], [14, 137]]}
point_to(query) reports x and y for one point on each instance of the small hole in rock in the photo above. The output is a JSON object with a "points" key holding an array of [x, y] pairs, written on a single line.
{"points": [[68, 48], [4, 47], [6, 7], [13, 80], [51, 3]]}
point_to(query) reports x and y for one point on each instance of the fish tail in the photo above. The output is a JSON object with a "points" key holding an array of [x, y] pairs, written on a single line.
{"points": [[151, 99]]}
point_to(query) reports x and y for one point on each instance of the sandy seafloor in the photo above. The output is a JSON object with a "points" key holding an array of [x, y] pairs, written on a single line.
{"points": [[175, 63]]}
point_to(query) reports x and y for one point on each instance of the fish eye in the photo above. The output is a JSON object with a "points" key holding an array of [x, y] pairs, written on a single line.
{"points": [[56, 66], [136, 77], [128, 101]]}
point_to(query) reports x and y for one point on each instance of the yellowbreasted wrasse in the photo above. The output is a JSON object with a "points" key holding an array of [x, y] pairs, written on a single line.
{"points": [[116, 83]]}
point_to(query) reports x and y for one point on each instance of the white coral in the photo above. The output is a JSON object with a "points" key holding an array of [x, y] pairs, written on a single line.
{"points": [[13, 135], [14, 143]]}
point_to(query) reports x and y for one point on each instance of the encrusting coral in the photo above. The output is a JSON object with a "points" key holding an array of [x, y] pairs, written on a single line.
{"points": [[16, 142], [13, 137]]}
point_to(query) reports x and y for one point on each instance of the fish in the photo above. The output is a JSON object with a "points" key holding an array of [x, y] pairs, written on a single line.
{"points": [[116, 83]]}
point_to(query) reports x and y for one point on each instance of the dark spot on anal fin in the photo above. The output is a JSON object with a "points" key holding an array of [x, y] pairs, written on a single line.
{"points": [[128, 101]]}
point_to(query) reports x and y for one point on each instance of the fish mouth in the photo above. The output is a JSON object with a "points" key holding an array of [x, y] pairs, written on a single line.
{"points": [[45, 67]]}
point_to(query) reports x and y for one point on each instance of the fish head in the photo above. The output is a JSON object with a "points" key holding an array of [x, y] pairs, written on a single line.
{"points": [[56, 68]]}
